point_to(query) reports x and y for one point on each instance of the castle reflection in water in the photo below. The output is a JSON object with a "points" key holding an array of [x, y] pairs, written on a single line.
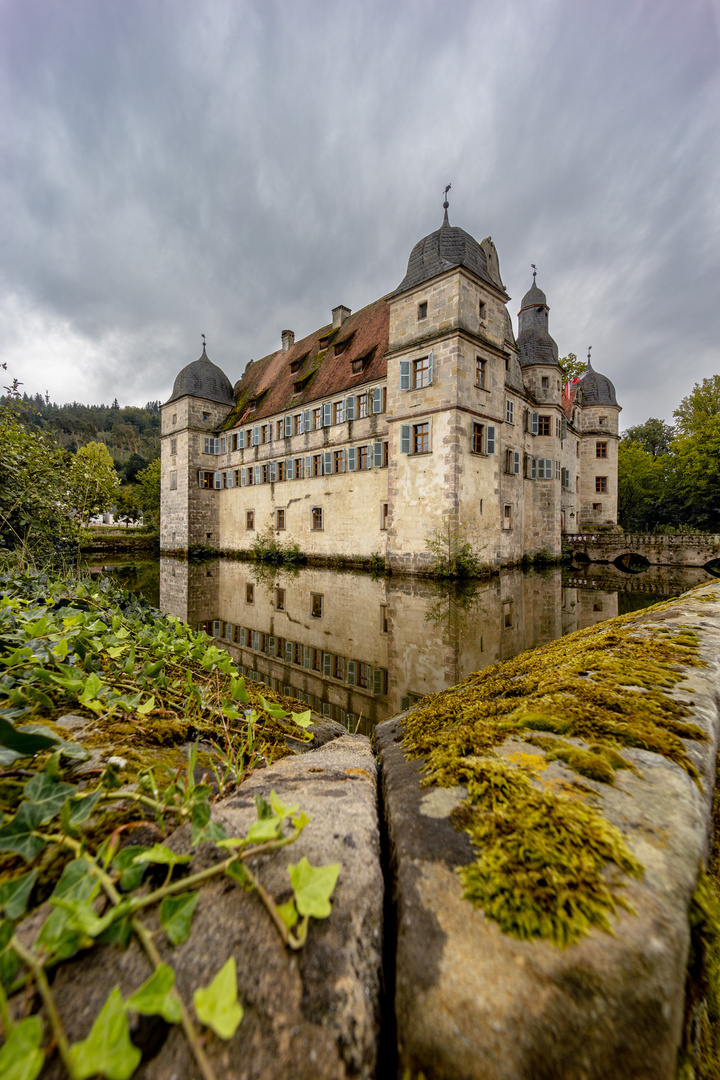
{"points": [[359, 649]]}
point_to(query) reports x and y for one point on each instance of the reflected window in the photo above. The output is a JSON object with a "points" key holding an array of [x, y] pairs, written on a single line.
{"points": [[280, 599], [249, 519], [249, 594], [316, 605]]}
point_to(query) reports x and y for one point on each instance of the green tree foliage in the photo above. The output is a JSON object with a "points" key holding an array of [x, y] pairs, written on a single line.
{"points": [[92, 481], [701, 404], [147, 491], [641, 486], [571, 367], [654, 436]]}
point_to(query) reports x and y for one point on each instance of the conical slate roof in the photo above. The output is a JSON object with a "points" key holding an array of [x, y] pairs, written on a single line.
{"points": [[203, 379], [535, 345], [595, 389], [443, 249], [533, 297]]}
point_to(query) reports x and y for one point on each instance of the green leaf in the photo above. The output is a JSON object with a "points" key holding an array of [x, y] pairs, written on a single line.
{"points": [[83, 918], [82, 806], [61, 649], [274, 710], [23, 743], [280, 808], [313, 887], [236, 870], [145, 708], [17, 835], [303, 720], [47, 795], [161, 855], [217, 1005], [238, 691], [15, 894], [176, 914], [21, 1057], [92, 688], [107, 1049], [264, 809], [264, 830], [288, 913], [154, 997]]}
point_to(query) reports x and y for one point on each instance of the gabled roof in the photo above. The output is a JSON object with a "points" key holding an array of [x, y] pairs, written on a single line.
{"points": [[273, 387]]}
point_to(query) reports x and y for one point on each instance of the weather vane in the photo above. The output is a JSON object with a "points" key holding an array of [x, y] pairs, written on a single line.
{"points": [[589, 348], [534, 270], [203, 337], [445, 193]]}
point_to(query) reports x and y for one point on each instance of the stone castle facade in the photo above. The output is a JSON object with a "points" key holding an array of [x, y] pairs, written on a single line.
{"points": [[371, 434]]}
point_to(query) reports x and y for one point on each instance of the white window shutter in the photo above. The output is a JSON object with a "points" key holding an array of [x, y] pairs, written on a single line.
{"points": [[430, 366], [404, 439], [306, 420], [377, 399], [328, 462], [516, 462], [534, 423], [377, 454], [350, 408], [404, 377], [327, 663], [342, 412], [241, 440], [351, 458], [273, 471], [200, 478], [218, 481], [342, 461], [229, 478], [490, 439], [308, 467], [327, 414], [289, 469], [351, 675], [288, 652], [257, 475], [243, 478]]}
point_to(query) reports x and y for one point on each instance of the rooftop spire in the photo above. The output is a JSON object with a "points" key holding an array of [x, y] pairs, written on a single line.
{"points": [[446, 204], [203, 352], [589, 365], [534, 270]]}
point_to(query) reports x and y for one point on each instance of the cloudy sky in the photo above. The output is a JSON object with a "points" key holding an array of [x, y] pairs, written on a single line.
{"points": [[236, 167]]}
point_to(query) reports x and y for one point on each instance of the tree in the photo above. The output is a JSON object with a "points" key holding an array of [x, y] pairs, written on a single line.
{"points": [[696, 467], [571, 367], [654, 436], [642, 486], [148, 491], [92, 481], [701, 404]]}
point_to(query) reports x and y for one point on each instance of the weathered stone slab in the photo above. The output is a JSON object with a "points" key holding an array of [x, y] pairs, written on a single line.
{"points": [[472, 1002], [308, 1014]]}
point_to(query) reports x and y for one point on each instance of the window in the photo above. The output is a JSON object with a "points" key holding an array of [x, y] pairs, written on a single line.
{"points": [[236, 477], [510, 412], [507, 614], [544, 425], [601, 483], [298, 423], [249, 519], [324, 342], [339, 667], [173, 447], [482, 311], [317, 465], [316, 605], [206, 480], [545, 382], [298, 468], [338, 461], [483, 438], [422, 310], [601, 449], [384, 516], [421, 373], [249, 594], [317, 418], [279, 599], [362, 406], [280, 470], [421, 438], [480, 372], [173, 481], [363, 457], [317, 519], [174, 418], [280, 519], [602, 420], [597, 506], [507, 517], [544, 468], [339, 412]]}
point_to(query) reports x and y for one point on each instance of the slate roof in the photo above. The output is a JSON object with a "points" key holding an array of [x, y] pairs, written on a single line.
{"points": [[443, 249], [274, 387], [533, 297], [203, 379], [595, 389]]}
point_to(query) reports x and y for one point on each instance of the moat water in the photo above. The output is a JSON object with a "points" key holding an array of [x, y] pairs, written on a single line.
{"points": [[359, 649]]}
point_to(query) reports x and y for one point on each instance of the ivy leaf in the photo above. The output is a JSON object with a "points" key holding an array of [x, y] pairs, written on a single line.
{"points": [[154, 997], [176, 914], [15, 894], [303, 720], [280, 808], [24, 743], [264, 809], [236, 870], [202, 827], [21, 1057], [9, 960], [82, 806], [238, 691], [145, 708], [47, 795], [264, 830], [161, 855], [217, 1005], [288, 913], [17, 836], [61, 649], [313, 887], [274, 710], [107, 1049]]}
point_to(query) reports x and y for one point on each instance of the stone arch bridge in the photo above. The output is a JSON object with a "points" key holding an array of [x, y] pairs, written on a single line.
{"points": [[633, 551]]}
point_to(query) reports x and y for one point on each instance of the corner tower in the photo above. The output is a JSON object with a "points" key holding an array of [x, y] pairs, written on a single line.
{"points": [[201, 398], [597, 419]]}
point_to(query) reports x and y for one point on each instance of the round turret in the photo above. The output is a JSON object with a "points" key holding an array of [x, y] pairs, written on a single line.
{"points": [[595, 389], [443, 249], [203, 379], [535, 345]]}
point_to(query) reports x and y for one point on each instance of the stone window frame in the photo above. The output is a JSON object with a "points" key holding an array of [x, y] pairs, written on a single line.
{"points": [[317, 523], [480, 373], [601, 485], [173, 480], [544, 425], [422, 310], [601, 449], [280, 519], [249, 520]]}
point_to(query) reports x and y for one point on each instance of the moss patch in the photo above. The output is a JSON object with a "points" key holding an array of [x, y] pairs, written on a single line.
{"points": [[549, 865]]}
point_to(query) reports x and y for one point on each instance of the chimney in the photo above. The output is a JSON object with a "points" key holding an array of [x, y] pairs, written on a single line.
{"points": [[340, 314], [288, 339]]}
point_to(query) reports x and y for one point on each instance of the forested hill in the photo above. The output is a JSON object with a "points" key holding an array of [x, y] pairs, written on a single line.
{"points": [[131, 434]]}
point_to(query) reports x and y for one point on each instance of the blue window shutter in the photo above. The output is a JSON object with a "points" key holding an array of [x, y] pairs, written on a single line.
{"points": [[308, 467], [328, 462], [218, 480], [288, 652], [534, 423], [273, 471], [327, 414], [327, 663], [377, 681], [306, 420], [351, 457], [241, 440], [404, 375], [490, 444], [223, 444], [243, 478], [377, 455], [288, 426], [350, 408], [351, 675], [404, 438], [289, 469], [516, 462], [430, 366], [377, 399]]}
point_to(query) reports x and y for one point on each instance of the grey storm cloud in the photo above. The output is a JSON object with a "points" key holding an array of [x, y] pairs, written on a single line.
{"points": [[235, 168]]}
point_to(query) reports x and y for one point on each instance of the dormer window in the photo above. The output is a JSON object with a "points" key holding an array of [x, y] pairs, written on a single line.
{"points": [[297, 387], [357, 366], [422, 310], [340, 347], [295, 366], [324, 342]]}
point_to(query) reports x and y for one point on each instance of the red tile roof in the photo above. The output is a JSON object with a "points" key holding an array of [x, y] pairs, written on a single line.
{"points": [[272, 385]]}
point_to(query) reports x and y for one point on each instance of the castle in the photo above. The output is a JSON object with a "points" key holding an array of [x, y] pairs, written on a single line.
{"points": [[367, 436]]}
